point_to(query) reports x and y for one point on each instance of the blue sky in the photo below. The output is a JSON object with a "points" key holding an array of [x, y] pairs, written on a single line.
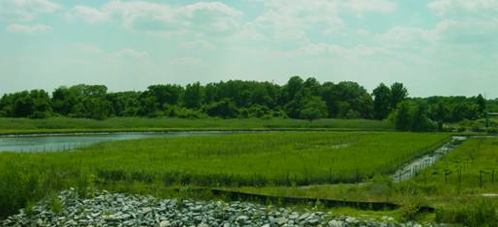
{"points": [[434, 47]]}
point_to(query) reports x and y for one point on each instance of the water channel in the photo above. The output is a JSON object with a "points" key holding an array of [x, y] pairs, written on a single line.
{"points": [[411, 169]]}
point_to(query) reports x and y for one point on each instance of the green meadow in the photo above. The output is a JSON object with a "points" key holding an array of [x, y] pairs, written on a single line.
{"points": [[462, 186], [234, 160]]}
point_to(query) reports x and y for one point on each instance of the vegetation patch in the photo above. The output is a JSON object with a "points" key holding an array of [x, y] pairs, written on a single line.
{"points": [[62, 125], [225, 160]]}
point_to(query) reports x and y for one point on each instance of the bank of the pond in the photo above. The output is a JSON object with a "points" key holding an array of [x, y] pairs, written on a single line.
{"points": [[17, 132], [120, 124]]}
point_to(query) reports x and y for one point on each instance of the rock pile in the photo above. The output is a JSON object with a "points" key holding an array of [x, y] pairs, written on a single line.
{"points": [[107, 209]]}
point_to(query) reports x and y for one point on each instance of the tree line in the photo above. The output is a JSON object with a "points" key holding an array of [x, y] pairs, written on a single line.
{"points": [[298, 99]]}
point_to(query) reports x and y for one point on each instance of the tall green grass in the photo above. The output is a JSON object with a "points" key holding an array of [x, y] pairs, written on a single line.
{"points": [[457, 184], [471, 168], [482, 212], [252, 159], [13, 125]]}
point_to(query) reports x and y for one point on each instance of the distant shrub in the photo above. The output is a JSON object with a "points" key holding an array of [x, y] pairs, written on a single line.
{"points": [[410, 207], [39, 115], [482, 212]]}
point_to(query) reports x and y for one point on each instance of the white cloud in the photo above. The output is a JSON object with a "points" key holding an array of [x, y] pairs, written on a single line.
{"points": [[87, 14], [450, 45], [360, 7], [197, 44], [469, 32], [297, 20], [25, 10], [408, 36], [462, 7], [362, 32], [129, 53], [27, 29], [188, 62], [88, 48], [201, 17], [94, 52], [332, 51]]}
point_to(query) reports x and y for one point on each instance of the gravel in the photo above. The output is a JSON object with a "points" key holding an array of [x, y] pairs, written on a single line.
{"points": [[115, 209]]}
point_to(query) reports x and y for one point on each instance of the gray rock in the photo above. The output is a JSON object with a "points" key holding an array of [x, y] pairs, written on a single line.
{"points": [[164, 223], [242, 219], [107, 209], [203, 225], [281, 220], [335, 223]]}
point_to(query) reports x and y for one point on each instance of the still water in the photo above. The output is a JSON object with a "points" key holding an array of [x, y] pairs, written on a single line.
{"points": [[62, 142]]}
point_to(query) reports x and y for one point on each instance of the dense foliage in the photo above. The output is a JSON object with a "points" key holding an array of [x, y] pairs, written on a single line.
{"points": [[298, 99]]}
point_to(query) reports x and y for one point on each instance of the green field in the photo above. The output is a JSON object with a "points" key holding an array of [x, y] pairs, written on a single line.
{"points": [[21, 125], [464, 184], [461, 186], [251, 159], [470, 169]]}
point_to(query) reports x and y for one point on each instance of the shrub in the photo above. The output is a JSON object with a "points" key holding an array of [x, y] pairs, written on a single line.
{"points": [[481, 212]]}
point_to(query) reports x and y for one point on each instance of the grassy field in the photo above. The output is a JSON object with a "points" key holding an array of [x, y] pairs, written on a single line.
{"points": [[462, 186], [470, 169], [251, 159], [19, 125]]}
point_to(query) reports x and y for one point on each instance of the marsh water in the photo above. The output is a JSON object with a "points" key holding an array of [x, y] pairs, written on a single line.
{"points": [[61, 142], [411, 169]]}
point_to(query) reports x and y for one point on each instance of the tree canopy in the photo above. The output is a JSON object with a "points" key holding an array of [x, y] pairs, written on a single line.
{"points": [[298, 98]]}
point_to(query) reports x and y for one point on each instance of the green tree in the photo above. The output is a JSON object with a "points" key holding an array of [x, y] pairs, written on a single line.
{"points": [[97, 108], [314, 108], [481, 105], [420, 120], [63, 100], [193, 96], [42, 104], [398, 94], [225, 108], [32, 104], [312, 86], [381, 102], [294, 86], [7, 105], [403, 116], [264, 94], [125, 104], [294, 106], [328, 94], [85, 101], [346, 99], [165, 94], [23, 104]]}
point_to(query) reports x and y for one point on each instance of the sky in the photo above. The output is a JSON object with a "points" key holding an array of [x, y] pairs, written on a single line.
{"points": [[433, 47]]}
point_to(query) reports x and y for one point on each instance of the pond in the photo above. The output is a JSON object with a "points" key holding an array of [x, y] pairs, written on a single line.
{"points": [[62, 142]]}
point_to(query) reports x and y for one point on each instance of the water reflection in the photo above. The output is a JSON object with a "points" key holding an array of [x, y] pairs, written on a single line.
{"points": [[62, 142]]}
